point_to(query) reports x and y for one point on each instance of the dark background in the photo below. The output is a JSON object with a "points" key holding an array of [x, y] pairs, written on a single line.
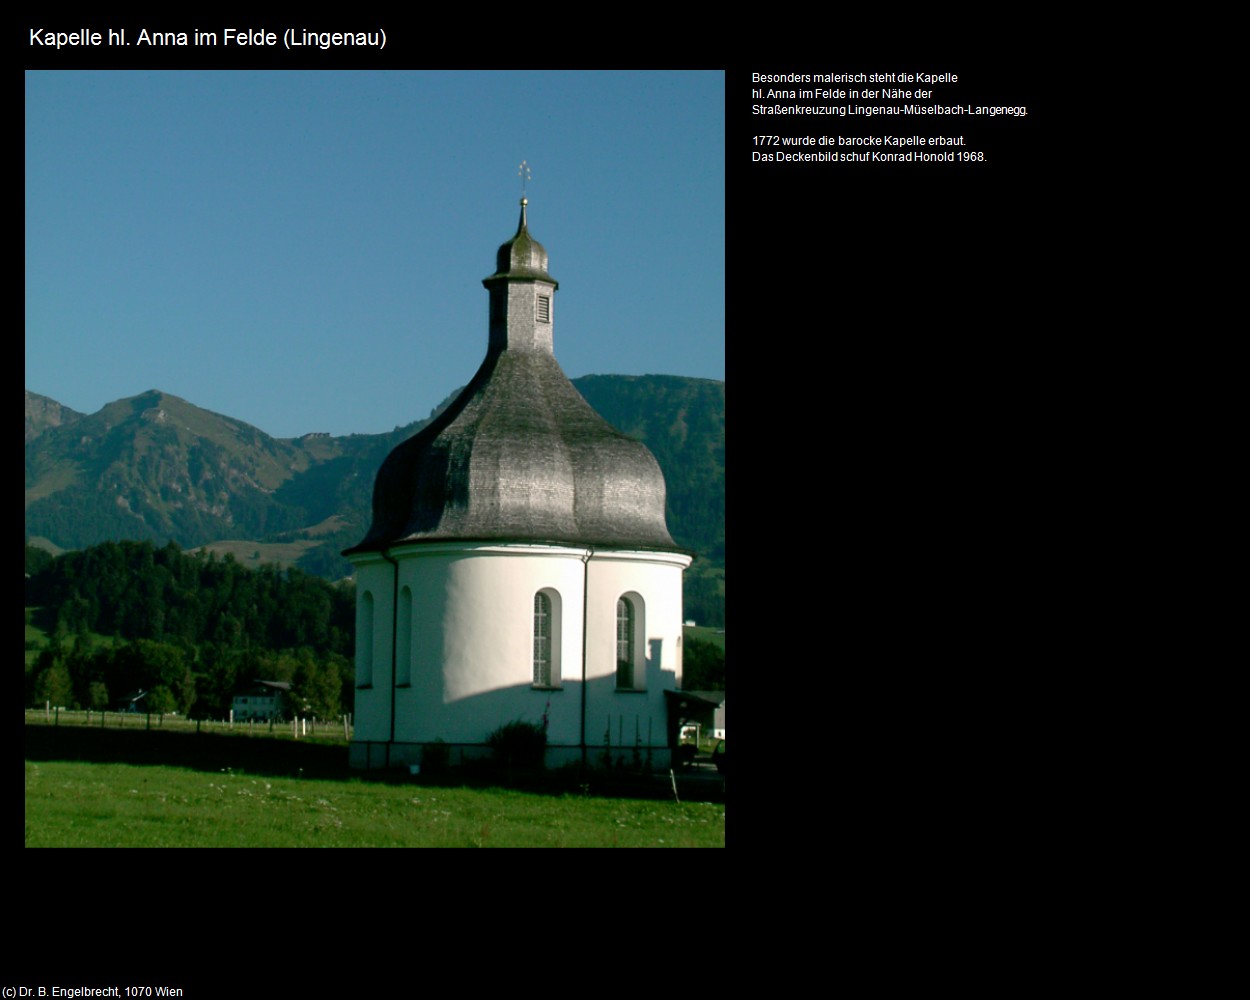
{"points": [[893, 334]]}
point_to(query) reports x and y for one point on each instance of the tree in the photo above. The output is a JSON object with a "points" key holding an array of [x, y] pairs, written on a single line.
{"points": [[160, 700], [36, 559], [99, 696], [702, 666], [315, 686], [53, 684]]}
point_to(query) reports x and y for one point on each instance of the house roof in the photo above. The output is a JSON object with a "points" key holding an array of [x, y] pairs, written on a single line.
{"points": [[273, 685], [519, 455], [713, 698]]}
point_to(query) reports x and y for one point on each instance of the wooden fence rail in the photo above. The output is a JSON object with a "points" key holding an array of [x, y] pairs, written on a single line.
{"points": [[323, 730]]}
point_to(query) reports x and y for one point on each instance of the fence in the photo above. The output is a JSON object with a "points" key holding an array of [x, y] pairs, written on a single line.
{"points": [[323, 730]]}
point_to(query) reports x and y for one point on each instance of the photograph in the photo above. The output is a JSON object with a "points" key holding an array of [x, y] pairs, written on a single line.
{"points": [[375, 430]]}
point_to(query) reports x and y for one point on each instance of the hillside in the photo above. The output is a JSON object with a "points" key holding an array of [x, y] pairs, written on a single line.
{"points": [[682, 421], [43, 413], [157, 468]]}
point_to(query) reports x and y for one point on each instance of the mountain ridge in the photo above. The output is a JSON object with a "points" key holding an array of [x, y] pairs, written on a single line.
{"points": [[157, 467]]}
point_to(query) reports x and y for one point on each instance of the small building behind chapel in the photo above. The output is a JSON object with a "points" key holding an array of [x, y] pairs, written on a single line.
{"points": [[518, 565], [262, 700]]}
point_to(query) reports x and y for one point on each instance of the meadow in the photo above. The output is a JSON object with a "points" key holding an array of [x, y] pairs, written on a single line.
{"points": [[81, 804]]}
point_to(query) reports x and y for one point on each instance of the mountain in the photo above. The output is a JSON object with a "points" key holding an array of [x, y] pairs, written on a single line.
{"points": [[42, 413], [156, 467], [682, 421]]}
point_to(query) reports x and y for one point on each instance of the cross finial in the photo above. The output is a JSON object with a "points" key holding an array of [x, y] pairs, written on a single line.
{"points": [[524, 173]]}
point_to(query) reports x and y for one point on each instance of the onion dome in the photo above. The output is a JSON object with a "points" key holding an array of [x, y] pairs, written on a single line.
{"points": [[522, 258], [519, 456]]}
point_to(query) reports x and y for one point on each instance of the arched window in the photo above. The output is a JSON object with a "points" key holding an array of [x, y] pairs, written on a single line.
{"points": [[547, 639], [403, 658], [625, 645], [542, 640], [364, 641]]}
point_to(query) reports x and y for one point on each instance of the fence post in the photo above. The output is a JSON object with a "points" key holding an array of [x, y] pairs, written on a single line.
{"points": [[345, 734], [57, 722], [47, 711]]}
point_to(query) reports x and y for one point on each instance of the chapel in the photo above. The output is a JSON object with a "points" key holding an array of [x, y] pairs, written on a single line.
{"points": [[518, 565]]}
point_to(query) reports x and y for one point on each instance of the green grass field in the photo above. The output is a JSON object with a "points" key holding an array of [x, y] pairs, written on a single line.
{"points": [[714, 635], [37, 640], [72, 804], [253, 554]]}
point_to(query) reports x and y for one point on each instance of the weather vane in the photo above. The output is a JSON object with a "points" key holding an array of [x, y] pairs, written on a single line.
{"points": [[525, 175]]}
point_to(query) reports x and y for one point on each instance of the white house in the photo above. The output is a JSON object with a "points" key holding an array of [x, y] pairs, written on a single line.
{"points": [[518, 565], [263, 700]]}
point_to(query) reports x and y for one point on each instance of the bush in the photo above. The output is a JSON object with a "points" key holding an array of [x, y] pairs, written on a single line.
{"points": [[519, 744], [435, 756]]}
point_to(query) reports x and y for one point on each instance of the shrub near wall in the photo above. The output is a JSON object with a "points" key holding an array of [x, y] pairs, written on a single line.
{"points": [[519, 744]]}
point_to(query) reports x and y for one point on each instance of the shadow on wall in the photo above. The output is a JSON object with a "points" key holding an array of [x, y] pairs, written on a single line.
{"points": [[622, 719]]}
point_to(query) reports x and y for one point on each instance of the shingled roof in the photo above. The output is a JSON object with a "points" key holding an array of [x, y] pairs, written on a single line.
{"points": [[519, 456]]}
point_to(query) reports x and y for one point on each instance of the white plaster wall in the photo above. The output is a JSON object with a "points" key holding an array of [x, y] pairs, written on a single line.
{"points": [[472, 643], [371, 713], [473, 654], [656, 578]]}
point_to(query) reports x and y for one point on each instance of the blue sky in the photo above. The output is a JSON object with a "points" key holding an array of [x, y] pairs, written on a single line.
{"points": [[304, 251]]}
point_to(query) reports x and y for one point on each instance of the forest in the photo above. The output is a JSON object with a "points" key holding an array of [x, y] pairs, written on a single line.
{"points": [[193, 630], [189, 629]]}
